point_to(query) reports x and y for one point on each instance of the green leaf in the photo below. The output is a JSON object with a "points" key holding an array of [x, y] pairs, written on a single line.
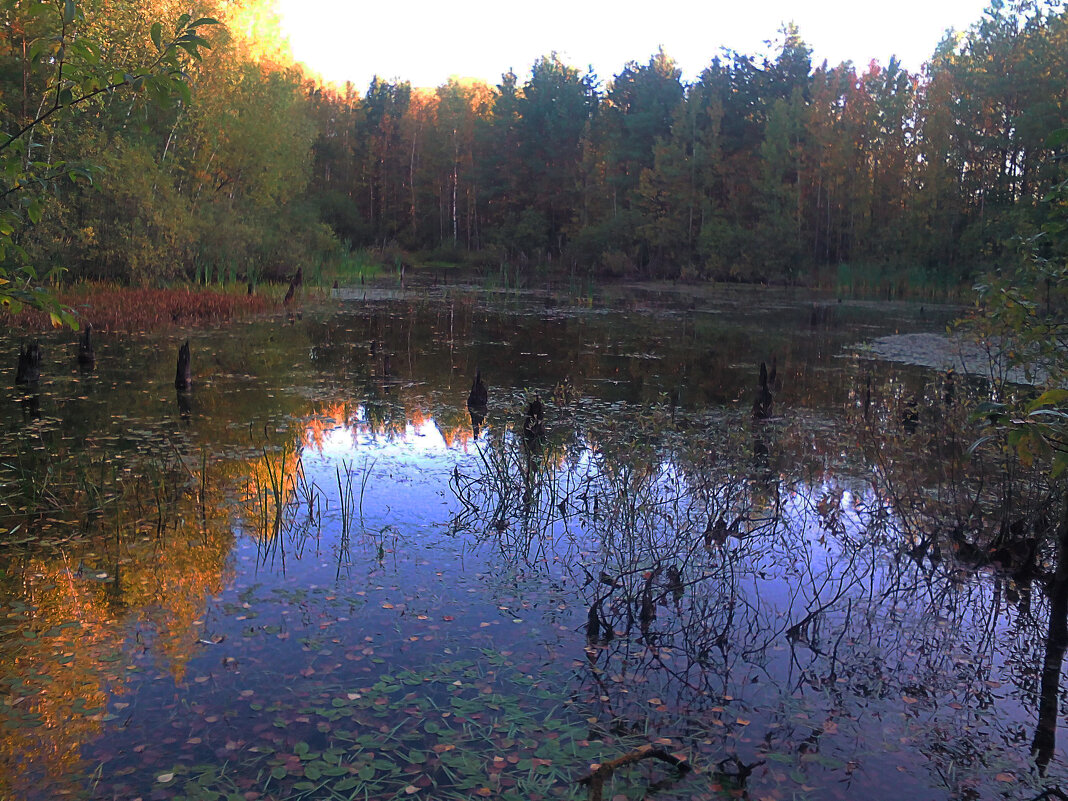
{"points": [[1057, 138], [1052, 397], [191, 49], [183, 92], [68, 12], [1059, 464], [157, 35]]}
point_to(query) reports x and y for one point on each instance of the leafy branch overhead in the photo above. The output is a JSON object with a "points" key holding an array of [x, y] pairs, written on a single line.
{"points": [[1024, 312], [72, 70]]}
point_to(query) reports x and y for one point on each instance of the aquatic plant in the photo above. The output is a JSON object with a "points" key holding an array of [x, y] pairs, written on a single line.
{"points": [[110, 308]]}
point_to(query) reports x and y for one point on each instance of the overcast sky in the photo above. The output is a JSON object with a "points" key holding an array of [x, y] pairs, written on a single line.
{"points": [[427, 41]]}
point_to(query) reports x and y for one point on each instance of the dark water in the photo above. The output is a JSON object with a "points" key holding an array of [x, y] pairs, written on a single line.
{"points": [[313, 578]]}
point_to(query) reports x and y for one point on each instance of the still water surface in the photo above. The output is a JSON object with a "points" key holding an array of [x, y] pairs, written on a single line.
{"points": [[316, 576]]}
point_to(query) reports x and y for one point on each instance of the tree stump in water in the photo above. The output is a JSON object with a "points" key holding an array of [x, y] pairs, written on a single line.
{"points": [[86, 351], [183, 376], [478, 399], [296, 283], [29, 365], [763, 402], [534, 425]]}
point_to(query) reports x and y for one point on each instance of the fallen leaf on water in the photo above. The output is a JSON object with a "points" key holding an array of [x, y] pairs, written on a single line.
{"points": [[163, 778], [1005, 777]]}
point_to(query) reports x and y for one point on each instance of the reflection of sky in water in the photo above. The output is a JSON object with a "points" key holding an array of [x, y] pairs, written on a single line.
{"points": [[422, 577], [400, 479], [408, 588]]}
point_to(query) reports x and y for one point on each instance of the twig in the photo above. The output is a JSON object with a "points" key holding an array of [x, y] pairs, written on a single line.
{"points": [[595, 781]]}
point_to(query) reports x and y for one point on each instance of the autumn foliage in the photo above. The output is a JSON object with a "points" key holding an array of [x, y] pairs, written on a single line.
{"points": [[114, 308]]}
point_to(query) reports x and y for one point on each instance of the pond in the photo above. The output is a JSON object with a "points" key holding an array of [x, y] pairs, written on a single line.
{"points": [[318, 575]]}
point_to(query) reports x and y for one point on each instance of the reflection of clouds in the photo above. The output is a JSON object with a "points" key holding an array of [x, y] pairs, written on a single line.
{"points": [[337, 441]]}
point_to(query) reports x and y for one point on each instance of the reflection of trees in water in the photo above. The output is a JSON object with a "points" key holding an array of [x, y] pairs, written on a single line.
{"points": [[720, 589], [98, 605]]}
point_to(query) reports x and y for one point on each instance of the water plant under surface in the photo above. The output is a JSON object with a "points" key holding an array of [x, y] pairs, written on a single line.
{"points": [[318, 580]]}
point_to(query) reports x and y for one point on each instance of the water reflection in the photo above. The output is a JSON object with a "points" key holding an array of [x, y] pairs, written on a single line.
{"points": [[800, 619], [778, 598]]}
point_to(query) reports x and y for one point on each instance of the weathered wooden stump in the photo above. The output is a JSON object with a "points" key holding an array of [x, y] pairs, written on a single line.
{"points": [[183, 376], [478, 398], [86, 351], [29, 365], [295, 283], [762, 404], [534, 425]]}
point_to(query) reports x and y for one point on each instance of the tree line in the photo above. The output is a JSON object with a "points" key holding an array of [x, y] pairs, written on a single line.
{"points": [[764, 168]]}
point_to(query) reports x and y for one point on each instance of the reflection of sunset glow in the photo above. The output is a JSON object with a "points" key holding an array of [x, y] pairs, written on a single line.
{"points": [[337, 430]]}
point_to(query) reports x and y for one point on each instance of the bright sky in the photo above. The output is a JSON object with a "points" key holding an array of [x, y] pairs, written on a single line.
{"points": [[427, 41]]}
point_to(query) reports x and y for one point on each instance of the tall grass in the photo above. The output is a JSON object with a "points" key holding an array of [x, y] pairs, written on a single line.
{"points": [[353, 266], [897, 282]]}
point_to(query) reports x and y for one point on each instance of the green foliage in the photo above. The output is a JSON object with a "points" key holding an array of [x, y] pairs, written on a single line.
{"points": [[1026, 314], [64, 65], [135, 153], [765, 167]]}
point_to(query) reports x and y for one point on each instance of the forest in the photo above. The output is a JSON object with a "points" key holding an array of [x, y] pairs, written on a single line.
{"points": [[766, 168]]}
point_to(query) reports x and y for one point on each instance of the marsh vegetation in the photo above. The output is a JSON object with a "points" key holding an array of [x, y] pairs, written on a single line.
{"points": [[321, 574]]}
